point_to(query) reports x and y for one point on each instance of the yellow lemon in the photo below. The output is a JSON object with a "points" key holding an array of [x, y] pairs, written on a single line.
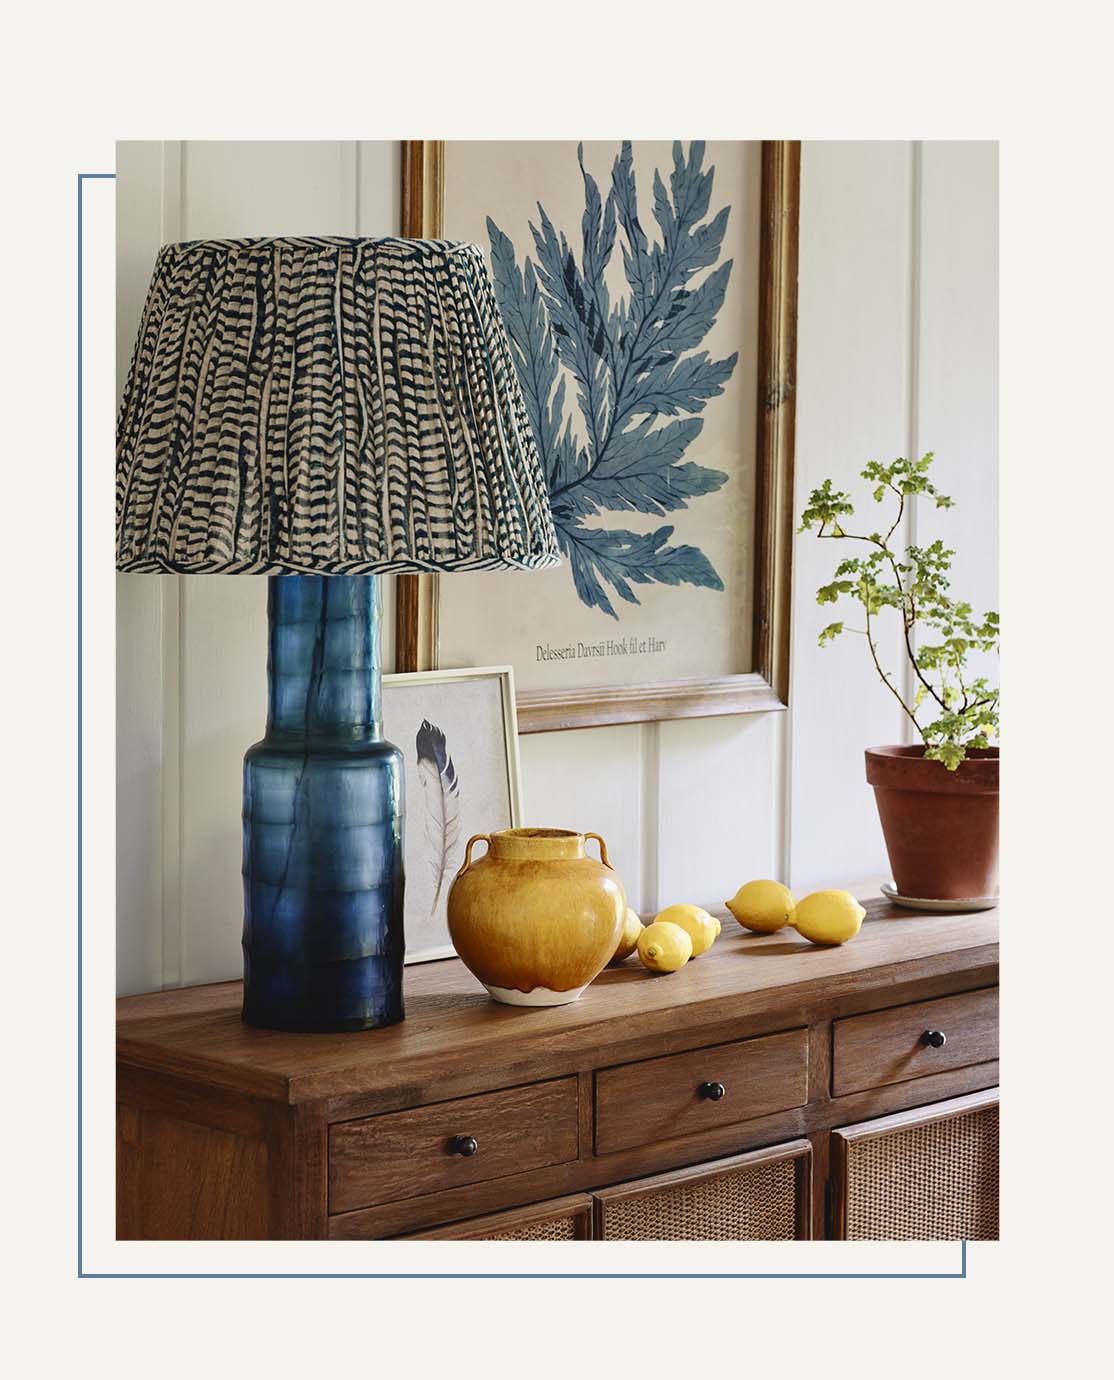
{"points": [[664, 947], [628, 940], [700, 927], [762, 906], [828, 917]]}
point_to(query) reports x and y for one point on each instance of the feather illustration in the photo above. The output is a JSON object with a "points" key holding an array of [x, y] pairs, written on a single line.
{"points": [[441, 789]]}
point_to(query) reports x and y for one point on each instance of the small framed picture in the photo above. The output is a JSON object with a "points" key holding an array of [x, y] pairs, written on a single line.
{"points": [[459, 740]]}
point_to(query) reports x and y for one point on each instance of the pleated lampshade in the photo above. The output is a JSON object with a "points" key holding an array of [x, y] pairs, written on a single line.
{"points": [[326, 406]]}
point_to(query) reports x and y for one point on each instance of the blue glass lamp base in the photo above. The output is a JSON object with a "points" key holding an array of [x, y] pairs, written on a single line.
{"points": [[323, 877]]}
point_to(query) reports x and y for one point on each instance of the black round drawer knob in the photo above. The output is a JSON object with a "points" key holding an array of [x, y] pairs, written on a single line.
{"points": [[463, 1145], [936, 1038], [712, 1091]]}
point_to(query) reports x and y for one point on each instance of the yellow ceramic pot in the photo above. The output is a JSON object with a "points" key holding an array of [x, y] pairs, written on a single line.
{"points": [[536, 918]]}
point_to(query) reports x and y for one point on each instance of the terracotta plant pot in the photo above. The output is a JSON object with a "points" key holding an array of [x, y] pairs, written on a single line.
{"points": [[941, 826], [536, 918]]}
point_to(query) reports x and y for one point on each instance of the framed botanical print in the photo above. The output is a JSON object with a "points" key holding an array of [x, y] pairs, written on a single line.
{"points": [[459, 742], [649, 292]]}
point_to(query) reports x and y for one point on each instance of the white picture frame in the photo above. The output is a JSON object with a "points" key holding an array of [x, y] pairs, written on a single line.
{"points": [[462, 777]]}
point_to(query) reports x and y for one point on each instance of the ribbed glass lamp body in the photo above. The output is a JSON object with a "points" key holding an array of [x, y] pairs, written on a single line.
{"points": [[323, 818]]}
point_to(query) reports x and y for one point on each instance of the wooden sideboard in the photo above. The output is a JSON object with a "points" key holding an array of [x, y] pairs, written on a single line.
{"points": [[769, 1090]]}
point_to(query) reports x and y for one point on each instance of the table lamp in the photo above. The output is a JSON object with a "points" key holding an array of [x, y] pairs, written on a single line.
{"points": [[324, 411]]}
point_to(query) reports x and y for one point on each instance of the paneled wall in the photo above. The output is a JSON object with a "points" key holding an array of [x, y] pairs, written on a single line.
{"points": [[897, 353]]}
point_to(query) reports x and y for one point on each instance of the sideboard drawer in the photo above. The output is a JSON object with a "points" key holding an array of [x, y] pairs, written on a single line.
{"points": [[681, 1094], [380, 1159], [906, 1042]]}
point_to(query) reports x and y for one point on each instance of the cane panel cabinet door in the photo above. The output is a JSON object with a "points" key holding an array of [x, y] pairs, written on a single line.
{"points": [[927, 1174], [760, 1196]]}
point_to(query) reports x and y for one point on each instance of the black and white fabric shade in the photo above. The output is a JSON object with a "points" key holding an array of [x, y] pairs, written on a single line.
{"points": [[326, 406]]}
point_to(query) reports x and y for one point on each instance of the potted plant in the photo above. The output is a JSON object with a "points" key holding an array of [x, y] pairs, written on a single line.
{"points": [[937, 798]]}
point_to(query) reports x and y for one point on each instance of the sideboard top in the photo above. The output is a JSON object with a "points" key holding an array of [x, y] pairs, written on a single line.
{"points": [[451, 1023]]}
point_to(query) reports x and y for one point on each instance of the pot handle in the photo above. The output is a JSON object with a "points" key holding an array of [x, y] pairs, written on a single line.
{"points": [[467, 863], [603, 849]]}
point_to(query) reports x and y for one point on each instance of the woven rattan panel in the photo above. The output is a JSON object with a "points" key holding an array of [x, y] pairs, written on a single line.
{"points": [[936, 1182], [551, 1229], [754, 1204]]}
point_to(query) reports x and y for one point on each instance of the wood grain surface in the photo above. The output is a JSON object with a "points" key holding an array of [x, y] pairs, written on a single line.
{"points": [[888, 1046], [659, 1099], [455, 1037], [179, 1180], [592, 1171], [403, 1154], [229, 1131]]}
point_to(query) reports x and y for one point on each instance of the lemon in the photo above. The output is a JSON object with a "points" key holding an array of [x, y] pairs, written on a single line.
{"points": [[664, 947], [700, 927], [628, 940], [828, 917], [762, 906]]}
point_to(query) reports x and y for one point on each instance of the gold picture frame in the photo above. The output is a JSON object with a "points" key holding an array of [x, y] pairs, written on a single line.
{"points": [[766, 687]]}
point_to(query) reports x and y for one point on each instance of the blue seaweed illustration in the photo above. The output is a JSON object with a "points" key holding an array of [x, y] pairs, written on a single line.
{"points": [[634, 363]]}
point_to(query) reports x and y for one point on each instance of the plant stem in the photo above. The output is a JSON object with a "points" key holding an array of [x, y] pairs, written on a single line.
{"points": [[900, 513], [888, 683], [906, 620]]}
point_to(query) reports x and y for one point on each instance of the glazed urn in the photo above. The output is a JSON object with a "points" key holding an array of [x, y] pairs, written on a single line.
{"points": [[536, 918], [940, 826]]}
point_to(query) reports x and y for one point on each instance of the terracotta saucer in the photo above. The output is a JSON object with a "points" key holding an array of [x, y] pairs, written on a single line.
{"points": [[890, 892]]}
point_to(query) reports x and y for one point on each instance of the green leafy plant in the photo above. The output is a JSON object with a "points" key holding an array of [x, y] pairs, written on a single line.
{"points": [[952, 711]]}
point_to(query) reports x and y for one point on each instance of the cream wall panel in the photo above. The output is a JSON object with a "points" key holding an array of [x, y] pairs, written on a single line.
{"points": [[139, 862], [378, 211], [718, 806], [224, 684], [957, 360], [267, 187], [852, 406], [139, 233], [590, 779], [378, 182], [140, 774]]}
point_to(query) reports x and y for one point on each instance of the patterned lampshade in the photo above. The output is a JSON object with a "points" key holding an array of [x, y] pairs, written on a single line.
{"points": [[326, 406]]}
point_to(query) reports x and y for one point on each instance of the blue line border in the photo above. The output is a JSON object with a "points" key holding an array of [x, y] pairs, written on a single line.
{"points": [[961, 1273], [82, 178]]}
